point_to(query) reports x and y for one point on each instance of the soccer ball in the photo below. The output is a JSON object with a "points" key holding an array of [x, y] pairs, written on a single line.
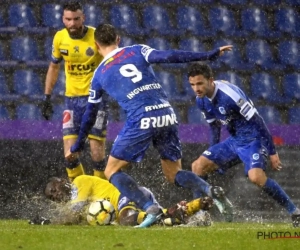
{"points": [[101, 212]]}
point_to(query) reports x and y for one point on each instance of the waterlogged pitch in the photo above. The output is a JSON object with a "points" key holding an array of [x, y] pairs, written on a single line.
{"points": [[20, 235]]}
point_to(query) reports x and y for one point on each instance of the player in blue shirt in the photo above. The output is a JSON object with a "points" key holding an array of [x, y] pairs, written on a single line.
{"points": [[250, 141], [127, 76]]}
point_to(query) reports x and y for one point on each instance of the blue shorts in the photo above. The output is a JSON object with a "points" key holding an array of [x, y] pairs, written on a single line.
{"points": [[74, 110], [159, 127], [228, 153]]}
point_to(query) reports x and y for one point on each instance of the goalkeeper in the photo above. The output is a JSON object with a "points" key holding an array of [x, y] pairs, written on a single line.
{"points": [[85, 189]]}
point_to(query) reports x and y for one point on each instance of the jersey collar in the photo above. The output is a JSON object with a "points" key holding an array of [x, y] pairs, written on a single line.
{"points": [[215, 92], [110, 54]]}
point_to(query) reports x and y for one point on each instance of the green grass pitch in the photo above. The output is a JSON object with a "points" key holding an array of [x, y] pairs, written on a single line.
{"points": [[16, 234]]}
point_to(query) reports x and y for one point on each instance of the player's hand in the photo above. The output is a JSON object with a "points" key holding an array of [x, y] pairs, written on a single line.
{"points": [[71, 156], [275, 162], [47, 109], [225, 48]]}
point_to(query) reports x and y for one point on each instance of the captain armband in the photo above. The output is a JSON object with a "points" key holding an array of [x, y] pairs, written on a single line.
{"points": [[247, 110]]}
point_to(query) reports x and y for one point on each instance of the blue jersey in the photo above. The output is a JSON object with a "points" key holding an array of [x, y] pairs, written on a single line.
{"points": [[235, 110], [127, 76]]}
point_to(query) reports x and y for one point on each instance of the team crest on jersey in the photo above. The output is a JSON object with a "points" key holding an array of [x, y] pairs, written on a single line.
{"points": [[76, 49], [255, 156], [206, 152], [222, 110], [89, 51]]}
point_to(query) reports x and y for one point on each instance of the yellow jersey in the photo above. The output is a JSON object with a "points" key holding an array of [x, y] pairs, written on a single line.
{"points": [[81, 59], [88, 188]]}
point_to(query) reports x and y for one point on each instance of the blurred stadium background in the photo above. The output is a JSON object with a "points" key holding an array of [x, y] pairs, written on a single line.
{"points": [[265, 63]]}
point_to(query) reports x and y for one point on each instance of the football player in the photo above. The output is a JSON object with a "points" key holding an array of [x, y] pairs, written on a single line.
{"points": [[127, 76], [250, 141], [76, 46], [84, 189]]}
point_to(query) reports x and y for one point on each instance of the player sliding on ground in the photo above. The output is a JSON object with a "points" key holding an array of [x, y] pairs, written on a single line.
{"points": [[127, 76], [85, 189]]}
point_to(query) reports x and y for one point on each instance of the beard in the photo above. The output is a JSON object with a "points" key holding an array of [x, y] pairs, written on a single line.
{"points": [[75, 32]]}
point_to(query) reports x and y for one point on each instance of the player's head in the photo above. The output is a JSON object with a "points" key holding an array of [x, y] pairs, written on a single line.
{"points": [[58, 189], [201, 79], [105, 36], [73, 18]]}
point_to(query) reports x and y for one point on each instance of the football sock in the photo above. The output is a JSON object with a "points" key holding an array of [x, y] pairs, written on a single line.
{"points": [[129, 188], [99, 168], [141, 216], [196, 184], [273, 189], [74, 168]]}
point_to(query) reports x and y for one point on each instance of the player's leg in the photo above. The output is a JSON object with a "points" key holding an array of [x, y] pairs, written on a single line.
{"points": [[74, 168], [74, 109], [131, 148], [97, 138], [255, 167], [98, 157]]}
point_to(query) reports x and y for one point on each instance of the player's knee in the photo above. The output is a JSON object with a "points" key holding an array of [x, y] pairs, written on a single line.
{"points": [[202, 166], [257, 177]]}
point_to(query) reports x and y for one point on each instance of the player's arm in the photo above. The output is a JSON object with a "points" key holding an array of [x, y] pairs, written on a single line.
{"points": [[181, 56], [51, 78]]}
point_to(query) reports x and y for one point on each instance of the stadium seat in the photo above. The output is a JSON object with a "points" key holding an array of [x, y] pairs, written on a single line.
{"points": [[27, 82], [126, 41], [58, 111], [235, 2], [2, 51], [124, 17], [187, 89], [48, 47], [287, 21], [222, 20], [169, 84], [255, 22], [270, 114], [21, 15], [157, 19], [195, 116], [231, 77], [294, 115], [4, 114], [191, 44], [60, 86], [52, 15], [93, 15], [289, 54], [28, 112], [191, 20], [291, 86], [3, 22], [4, 90], [230, 59], [267, 2], [202, 1], [293, 2], [264, 87], [259, 53], [159, 43], [24, 48]]}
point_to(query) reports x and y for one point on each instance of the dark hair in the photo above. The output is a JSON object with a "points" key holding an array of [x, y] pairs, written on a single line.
{"points": [[72, 6], [197, 68], [105, 34]]}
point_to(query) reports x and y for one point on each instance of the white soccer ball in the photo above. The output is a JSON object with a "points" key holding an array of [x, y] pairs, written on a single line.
{"points": [[101, 212]]}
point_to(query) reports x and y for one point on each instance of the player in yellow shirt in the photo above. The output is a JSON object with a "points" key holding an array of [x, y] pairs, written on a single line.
{"points": [[76, 46], [85, 189]]}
